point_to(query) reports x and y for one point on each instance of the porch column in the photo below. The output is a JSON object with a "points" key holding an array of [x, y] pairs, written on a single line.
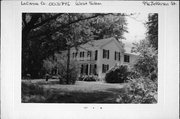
{"points": [[89, 69]]}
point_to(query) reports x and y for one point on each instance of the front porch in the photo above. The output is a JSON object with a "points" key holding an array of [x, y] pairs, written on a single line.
{"points": [[88, 69]]}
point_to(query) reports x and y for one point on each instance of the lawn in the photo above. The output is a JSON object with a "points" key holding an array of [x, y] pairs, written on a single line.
{"points": [[40, 91]]}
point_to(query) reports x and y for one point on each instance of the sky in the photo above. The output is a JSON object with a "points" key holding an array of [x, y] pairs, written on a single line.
{"points": [[136, 29]]}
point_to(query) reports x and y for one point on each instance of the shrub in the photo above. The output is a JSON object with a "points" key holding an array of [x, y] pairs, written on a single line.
{"points": [[88, 78], [117, 74], [141, 90], [133, 75], [49, 64], [147, 62], [71, 76]]}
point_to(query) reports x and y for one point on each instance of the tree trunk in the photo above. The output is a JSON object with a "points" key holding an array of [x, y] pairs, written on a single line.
{"points": [[68, 64]]}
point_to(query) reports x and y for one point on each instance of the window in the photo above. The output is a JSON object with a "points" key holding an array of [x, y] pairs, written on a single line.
{"points": [[89, 54], [105, 68], [126, 58], [74, 54], [117, 56], [105, 53], [81, 54], [84, 69], [93, 68]]}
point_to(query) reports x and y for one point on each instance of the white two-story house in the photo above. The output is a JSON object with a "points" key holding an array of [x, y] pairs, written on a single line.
{"points": [[98, 56]]}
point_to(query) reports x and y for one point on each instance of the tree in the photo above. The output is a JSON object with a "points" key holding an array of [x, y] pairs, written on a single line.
{"points": [[147, 61], [43, 34], [152, 33], [148, 49]]}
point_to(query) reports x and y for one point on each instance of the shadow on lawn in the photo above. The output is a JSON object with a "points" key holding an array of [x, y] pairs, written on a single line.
{"points": [[33, 93], [81, 97]]}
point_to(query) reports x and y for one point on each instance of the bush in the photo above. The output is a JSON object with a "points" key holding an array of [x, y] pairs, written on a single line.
{"points": [[57, 68], [141, 90], [88, 78], [147, 62], [117, 74]]}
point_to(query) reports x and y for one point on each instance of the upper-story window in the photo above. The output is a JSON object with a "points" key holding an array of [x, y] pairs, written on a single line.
{"points": [[89, 54], [126, 58], [74, 54], [81, 54], [105, 53], [117, 56]]}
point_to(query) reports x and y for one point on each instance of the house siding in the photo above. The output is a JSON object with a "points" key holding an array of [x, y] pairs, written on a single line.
{"points": [[112, 45]]}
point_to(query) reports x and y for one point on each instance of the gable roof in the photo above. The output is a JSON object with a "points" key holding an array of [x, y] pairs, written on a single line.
{"points": [[96, 43], [100, 43]]}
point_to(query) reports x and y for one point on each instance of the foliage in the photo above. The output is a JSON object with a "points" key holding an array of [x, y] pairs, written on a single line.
{"points": [[152, 25], [117, 74], [88, 78], [133, 74], [70, 76], [113, 25], [147, 61], [140, 90], [49, 64], [32, 92], [43, 34]]}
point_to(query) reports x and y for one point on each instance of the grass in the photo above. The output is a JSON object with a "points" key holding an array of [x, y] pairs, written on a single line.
{"points": [[137, 91], [40, 91]]}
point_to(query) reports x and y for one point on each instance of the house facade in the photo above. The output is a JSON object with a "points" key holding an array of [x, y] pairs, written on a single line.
{"points": [[97, 57]]}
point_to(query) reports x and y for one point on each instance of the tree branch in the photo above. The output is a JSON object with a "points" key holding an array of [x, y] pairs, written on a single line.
{"points": [[47, 20], [67, 24], [75, 21]]}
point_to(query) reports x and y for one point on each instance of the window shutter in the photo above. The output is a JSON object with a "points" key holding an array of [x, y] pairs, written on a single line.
{"points": [[96, 54], [115, 55], [103, 53], [108, 53], [94, 69], [82, 69], [90, 53]]}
